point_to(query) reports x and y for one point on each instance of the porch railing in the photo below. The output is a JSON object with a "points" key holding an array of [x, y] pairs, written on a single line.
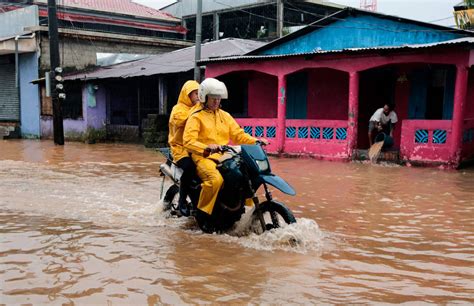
{"points": [[468, 138], [327, 138], [427, 140], [261, 127], [320, 138], [317, 130]]}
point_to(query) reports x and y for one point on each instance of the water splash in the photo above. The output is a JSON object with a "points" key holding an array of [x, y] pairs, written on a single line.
{"points": [[300, 237]]}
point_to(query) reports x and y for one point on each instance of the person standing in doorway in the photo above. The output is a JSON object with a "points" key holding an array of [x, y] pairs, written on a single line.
{"points": [[383, 120]]}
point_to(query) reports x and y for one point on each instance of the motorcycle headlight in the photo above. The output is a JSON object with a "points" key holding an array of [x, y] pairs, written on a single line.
{"points": [[262, 164]]}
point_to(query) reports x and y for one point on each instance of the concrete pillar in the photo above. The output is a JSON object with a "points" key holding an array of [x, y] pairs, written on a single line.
{"points": [[280, 18], [216, 26], [457, 123], [353, 114], [163, 99], [281, 113]]}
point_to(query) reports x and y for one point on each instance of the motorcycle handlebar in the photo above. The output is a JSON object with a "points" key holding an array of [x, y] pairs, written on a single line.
{"points": [[226, 148], [221, 149]]}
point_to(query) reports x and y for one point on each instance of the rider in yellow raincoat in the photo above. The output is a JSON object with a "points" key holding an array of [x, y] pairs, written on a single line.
{"points": [[187, 101], [206, 130]]}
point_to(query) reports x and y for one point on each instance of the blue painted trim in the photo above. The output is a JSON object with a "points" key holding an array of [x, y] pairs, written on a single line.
{"points": [[290, 132], [271, 132], [315, 132], [296, 96], [303, 132], [248, 130], [440, 136], [421, 136]]}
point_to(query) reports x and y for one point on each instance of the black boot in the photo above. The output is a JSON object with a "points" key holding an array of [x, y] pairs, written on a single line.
{"points": [[205, 222], [183, 207]]}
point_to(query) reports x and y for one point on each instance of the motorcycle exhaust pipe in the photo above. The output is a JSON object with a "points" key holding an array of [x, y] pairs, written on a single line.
{"points": [[172, 172]]}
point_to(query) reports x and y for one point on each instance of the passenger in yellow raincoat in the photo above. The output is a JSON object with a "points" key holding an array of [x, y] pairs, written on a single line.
{"points": [[206, 130], [188, 99]]}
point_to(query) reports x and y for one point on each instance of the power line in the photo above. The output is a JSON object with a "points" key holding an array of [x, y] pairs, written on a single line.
{"points": [[371, 26], [365, 23], [450, 17]]}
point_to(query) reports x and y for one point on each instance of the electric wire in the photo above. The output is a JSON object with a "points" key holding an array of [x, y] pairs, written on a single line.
{"points": [[372, 27]]}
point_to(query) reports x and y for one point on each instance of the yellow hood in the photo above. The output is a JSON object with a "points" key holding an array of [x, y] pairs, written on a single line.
{"points": [[187, 88]]}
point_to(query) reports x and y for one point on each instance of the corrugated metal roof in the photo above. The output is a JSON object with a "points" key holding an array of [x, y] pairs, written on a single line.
{"points": [[457, 41], [172, 62], [349, 11], [126, 7]]}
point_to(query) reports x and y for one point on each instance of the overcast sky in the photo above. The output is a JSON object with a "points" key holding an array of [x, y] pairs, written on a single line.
{"points": [[436, 11]]}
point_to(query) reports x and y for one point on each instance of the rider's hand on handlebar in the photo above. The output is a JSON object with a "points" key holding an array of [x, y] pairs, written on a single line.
{"points": [[212, 148], [262, 141]]}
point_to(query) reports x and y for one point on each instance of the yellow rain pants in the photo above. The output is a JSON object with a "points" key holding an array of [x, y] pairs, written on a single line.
{"points": [[178, 117], [205, 127]]}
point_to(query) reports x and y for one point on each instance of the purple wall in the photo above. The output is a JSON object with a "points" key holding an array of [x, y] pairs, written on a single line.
{"points": [[328, 92], [72, 128], [262, 95], [95, 116]]}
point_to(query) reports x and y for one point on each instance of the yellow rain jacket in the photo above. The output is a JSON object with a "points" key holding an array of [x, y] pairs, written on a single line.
{"points": [[206, 127], [178, 117]]}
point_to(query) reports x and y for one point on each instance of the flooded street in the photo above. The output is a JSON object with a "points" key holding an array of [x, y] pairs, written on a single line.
{"points": [[82, 224]]}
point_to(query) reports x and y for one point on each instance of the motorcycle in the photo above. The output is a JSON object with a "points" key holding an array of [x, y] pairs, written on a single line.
{"points": [[244, 169]]}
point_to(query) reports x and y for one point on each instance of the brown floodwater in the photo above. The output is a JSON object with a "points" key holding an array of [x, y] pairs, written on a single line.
{"points": [[82, 224]]}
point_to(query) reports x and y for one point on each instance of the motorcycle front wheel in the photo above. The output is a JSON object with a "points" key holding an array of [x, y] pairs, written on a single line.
{"points": [[170, 201], [275, 215]]}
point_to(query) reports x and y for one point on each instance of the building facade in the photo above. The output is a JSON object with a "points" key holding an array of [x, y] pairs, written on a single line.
{"points": [[249, 19], [86, 28], [312, 92], [119, 98]]}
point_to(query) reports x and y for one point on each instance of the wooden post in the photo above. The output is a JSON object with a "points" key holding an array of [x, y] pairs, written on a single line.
{"points": [[281, 113], [457, 123], [353, 113]]}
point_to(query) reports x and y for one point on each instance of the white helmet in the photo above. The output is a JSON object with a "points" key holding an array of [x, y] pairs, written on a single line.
{"points": [[211, 86]]}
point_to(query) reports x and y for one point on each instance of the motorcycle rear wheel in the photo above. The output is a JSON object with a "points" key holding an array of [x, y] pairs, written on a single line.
{"points": [[275, 215]]}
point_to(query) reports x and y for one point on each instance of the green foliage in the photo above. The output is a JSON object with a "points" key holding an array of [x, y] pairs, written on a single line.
{"points": [[92, 135]]}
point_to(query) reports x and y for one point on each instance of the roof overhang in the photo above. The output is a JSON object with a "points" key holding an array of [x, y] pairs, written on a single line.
{"points": [[25, 45], [112, 37], [466, 42]]}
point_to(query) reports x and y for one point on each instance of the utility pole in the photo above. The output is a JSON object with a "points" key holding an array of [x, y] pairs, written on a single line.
{"points": [[197, 54], [57, 71], [280, 18]]}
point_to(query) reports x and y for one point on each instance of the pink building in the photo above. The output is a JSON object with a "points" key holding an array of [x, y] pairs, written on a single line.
{"points": [[313, 91]]}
